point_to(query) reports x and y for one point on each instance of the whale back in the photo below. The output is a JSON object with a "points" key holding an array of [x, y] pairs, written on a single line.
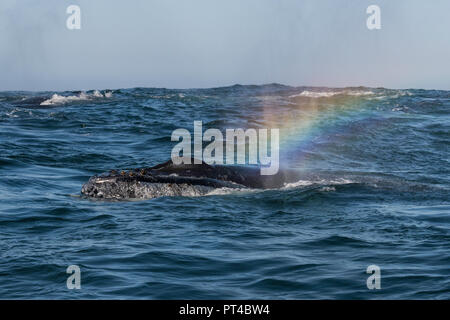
{"points": [[179, 179]]}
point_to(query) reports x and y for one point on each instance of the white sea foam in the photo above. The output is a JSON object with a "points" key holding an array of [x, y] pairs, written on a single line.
{"points": [[327, 94], [225, 191], [305, 183], [359, 93], [327, 189], [287, 186], [97, 94], [314, 94], [12, 114], [402, 108], [58, 99]]}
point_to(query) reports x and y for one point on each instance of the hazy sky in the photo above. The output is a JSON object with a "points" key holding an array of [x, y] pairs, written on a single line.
{"points": [[207, 43]]}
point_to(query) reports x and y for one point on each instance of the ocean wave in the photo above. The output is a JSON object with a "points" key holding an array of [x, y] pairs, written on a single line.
{"points": [[324, 182], [59, 99], [401, 108], [327, 186], [327, 94], [14, 113], [227, 191], [373, 187]]}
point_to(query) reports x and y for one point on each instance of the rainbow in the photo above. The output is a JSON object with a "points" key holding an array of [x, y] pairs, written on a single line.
{"points": [[312, 117]]}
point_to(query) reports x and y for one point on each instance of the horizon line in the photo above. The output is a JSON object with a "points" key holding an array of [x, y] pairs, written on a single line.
{"points": [[224, 86]]}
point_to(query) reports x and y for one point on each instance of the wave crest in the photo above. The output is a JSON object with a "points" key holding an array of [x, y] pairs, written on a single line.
{"points": [[327, 94], [59, 99]]}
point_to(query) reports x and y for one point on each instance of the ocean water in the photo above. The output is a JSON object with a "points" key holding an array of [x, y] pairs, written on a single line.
{"points": [[375, 191]]}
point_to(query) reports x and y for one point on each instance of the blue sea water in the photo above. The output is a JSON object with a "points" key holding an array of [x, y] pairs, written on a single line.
{"points": [[376, 192]]}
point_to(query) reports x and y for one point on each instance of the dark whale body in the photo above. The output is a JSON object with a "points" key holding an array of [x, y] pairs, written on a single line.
{"points": [[33, 102], [169, 179], [36, 102]]}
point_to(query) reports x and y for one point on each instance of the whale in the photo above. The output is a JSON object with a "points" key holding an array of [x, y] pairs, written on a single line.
{"points": [[170, 179], [33, 102], [38, 102]]}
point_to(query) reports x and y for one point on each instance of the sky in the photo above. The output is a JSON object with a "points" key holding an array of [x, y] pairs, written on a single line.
{"points": [[211, 43]]}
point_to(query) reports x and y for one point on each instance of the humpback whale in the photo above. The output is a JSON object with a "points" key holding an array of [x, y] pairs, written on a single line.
{"points": [[33, 102], [169, 179]]}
